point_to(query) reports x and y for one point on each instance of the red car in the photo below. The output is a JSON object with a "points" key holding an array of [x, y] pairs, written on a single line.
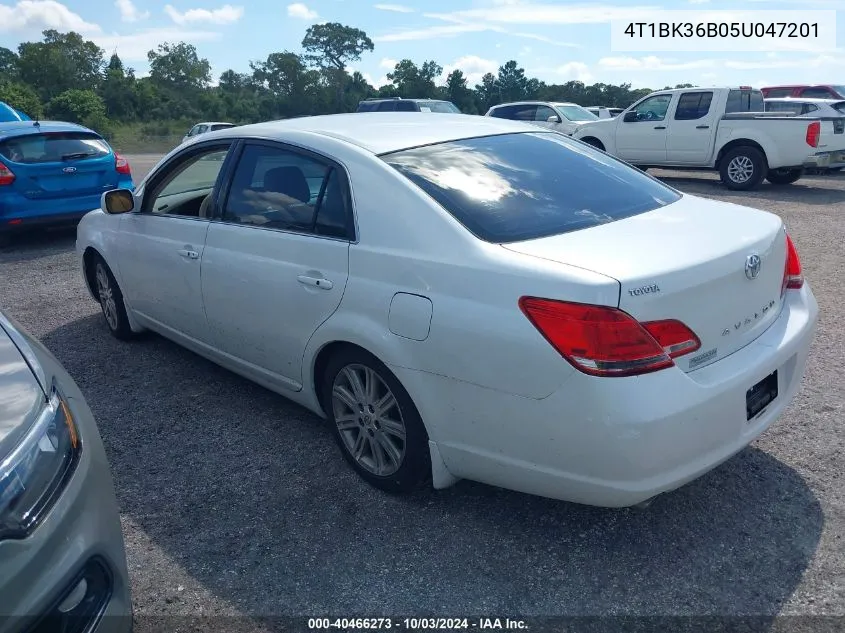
{"points": [[822, 91]]}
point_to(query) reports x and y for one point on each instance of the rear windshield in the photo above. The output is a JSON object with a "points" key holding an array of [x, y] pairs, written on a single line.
{"points": [[53, 147], [513, 187], [744, 101], [443, 107]]}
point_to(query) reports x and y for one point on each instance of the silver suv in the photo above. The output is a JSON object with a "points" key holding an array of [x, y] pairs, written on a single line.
{"points": [[562, 117]]}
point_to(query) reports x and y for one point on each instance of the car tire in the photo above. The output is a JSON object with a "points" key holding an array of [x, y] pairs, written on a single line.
{"points": [[743, 168], [111, 300], [393, 457], [784, 176]]}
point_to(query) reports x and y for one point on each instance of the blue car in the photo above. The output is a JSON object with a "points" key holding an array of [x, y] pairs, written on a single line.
{"points": [[53, 173]]}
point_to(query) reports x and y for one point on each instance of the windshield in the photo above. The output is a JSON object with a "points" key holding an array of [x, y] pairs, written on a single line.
{"points": [[513, 187], [53, 147], [442, 107], [575, 112]]}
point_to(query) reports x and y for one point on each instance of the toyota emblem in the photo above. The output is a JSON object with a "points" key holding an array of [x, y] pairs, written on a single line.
{"points": [[752, 266]]}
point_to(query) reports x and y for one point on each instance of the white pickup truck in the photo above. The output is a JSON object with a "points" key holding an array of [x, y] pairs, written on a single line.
{"points": [[713, 128]]}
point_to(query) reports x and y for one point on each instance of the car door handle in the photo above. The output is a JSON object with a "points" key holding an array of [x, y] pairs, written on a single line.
{"points": [[659, 127], [317, 282], [702, 127], [188, 254]]}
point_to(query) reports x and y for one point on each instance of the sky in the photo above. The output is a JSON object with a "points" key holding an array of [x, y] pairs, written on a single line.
{"points": [[554, 41]]}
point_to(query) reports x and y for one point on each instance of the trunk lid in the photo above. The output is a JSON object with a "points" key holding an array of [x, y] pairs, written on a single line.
{"points": [[59, 164], [686, 261]]}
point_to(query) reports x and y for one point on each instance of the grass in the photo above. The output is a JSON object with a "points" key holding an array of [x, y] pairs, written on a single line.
{"points": [[148, 138]]}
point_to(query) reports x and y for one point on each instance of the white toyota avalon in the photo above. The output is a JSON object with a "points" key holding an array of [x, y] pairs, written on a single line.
{"points": [[465, 297]]}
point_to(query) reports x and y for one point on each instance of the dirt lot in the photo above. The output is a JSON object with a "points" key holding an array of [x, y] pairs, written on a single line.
{"points": [[235, 501]]}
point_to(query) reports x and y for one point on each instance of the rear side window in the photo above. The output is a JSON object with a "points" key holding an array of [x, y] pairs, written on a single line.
{"points": [[53, 147], [693, 105], [365, 106], [817, 93], [406, 106], [744, 101], [387, 106], [505, 112], [513, 187]]}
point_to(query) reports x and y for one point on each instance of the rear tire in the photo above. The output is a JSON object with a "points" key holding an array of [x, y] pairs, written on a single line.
{"points": [[784, 176], [743, 168], [375, 423], [111, 300]]}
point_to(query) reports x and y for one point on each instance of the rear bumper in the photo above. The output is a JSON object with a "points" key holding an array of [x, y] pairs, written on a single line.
{"points": [[615, 441], [12, 224]]}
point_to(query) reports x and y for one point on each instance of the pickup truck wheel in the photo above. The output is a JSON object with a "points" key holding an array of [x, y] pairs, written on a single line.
{"points": [[784, 176], [742, 168]]}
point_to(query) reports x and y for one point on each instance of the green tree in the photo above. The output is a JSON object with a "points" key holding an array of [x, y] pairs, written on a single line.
{"points": [[117, 90], [178, 66], [80, 106], [487, 92], [22, 97], [331, 47], [458, 93], [9, 64], [61, 62], [415, 82], [512, 82]]}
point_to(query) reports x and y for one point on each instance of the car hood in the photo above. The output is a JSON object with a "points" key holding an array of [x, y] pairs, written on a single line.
{"points": [[21, 394], [600, 124]]}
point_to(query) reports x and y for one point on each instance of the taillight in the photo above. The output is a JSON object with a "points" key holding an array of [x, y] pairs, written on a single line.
{"points": [[604, 341], [793, 278], [6, 175], [122, 165], [814, 130]]}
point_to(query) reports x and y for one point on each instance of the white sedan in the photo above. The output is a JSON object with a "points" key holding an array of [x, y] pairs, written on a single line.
{"points": [[465, 297]]}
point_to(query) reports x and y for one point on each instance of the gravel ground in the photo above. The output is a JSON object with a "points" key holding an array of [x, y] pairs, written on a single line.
{"points": [[235, 501]]}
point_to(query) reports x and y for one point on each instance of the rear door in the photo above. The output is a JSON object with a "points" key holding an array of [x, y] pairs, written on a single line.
{"points": [[276, 259], [51, 165], [692, 127]]}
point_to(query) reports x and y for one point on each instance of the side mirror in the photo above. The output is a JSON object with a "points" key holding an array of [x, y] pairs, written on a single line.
{"points": [[631, 117], [117, 201], [553, 119]]}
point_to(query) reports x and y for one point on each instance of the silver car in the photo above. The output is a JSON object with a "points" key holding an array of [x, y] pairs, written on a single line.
{"points": [[62, 558], [561, 117]]}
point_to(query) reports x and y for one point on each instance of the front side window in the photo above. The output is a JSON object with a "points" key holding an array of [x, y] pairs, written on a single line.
{"points": [[512, 187], [185, 188], [280, 189], [654, 108], [693, 105], [543, 113]]}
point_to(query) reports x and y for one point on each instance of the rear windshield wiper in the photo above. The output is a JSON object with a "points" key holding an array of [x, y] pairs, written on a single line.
{"points": [[75, 155]]}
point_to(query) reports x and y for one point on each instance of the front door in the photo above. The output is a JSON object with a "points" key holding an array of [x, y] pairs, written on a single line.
{"points": [[161, 246], [276, 261], [643, 140]]}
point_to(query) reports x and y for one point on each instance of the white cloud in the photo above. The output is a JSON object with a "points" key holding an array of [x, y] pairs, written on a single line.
{"points": [[430, 32], [396, 8], [529, 13], [699, 1], [37, 15], [376, 83], [227, 14], [651, 63], [578, 71], [547, 40], [134, 47], [299, 10], [388, 63], [129, 12], [814, 62], [473, 67]]}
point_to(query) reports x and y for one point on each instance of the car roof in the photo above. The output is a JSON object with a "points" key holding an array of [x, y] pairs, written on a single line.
{"points": [[383, 132], [803, 100], [20, 128], [213, 123]]}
